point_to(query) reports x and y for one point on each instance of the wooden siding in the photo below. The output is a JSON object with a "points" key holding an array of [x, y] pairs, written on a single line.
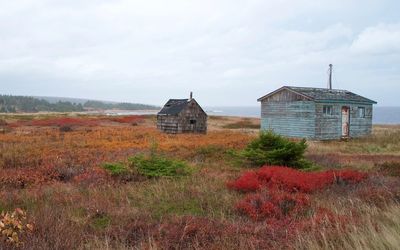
{"points": [[181, 122], [168, 123], [284, 96], [360, 126], [289, 118], [330, 126], [285, 114]]}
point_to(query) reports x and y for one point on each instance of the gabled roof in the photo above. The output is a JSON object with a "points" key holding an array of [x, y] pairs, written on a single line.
{"points": [[323, 94], [173, 106]]}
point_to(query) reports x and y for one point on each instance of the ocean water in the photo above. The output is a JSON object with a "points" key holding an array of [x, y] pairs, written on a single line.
{"points": [[381, 115]]}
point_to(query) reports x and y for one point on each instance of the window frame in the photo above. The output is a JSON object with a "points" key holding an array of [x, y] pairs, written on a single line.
{"points": [[327, 110], [361, 112]]}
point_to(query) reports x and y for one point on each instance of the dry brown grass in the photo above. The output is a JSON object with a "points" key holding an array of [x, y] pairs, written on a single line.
{"points": [[380, 229]]}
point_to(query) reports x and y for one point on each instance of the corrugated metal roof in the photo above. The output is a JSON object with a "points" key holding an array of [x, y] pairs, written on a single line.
{"points": [[173, 106], [324, 94]]}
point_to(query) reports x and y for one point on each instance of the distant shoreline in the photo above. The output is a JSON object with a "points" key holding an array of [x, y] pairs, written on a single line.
{"points": [[92, 112], [382, 115]]}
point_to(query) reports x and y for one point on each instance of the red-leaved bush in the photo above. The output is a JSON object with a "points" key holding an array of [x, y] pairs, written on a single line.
{"points": [[293, 180], [58, 122], [128, 119], [282, 193], [77, 121], [276, 204]]}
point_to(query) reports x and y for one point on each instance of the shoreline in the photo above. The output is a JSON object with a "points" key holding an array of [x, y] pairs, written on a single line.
{"points": [[146, 112]]}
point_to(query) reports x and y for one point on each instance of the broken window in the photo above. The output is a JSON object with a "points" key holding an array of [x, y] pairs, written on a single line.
{"points": [[361, 112], [328, 110]]}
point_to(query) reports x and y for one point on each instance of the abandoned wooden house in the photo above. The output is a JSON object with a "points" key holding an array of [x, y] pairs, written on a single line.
{"points": [[182, 116], [316, 113]]}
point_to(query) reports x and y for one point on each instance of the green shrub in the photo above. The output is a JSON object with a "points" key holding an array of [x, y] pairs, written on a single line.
{"points": [[156, 166], [116, 169], [273, 149]]}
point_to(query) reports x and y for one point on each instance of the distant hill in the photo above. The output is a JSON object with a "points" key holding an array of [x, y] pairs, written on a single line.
{"points": [[14, 104], [52, 99], [121, 106]]}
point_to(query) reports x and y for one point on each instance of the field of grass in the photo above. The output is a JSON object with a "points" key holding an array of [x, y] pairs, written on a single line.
{"points": [[52, 168]]}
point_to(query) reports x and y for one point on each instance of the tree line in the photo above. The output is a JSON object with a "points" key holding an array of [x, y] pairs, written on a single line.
{"points": [[14, 104]]}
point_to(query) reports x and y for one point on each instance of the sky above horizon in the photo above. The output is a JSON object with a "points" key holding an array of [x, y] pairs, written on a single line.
{"points": [[229, 53]]}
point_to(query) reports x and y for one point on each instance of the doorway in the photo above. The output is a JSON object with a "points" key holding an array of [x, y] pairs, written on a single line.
{"points": [[345, 121]]}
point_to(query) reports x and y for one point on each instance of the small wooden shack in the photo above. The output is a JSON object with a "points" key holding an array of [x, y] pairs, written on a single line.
{"points": [[182, 116], [316, 113]]}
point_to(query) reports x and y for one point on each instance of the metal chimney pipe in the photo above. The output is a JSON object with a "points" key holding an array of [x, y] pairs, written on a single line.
{"points": [[330, 76], [191, 95]]}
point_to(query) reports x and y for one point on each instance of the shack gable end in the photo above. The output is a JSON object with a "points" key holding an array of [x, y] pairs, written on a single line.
{"points": [[283, 95], [182, 116]]}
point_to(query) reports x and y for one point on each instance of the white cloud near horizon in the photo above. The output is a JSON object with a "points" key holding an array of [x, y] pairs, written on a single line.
{"points": [[379, 39], [228, 52]]}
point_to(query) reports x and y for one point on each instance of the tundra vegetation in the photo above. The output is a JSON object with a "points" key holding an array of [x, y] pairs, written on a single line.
{"points": [[100, 182]]}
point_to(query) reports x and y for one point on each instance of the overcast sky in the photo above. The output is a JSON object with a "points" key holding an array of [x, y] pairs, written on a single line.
{"points": [[227, 52]]}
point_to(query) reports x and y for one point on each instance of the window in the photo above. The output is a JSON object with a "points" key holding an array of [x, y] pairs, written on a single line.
{"points": [[328, 110], [192, 121], [361, 112]]}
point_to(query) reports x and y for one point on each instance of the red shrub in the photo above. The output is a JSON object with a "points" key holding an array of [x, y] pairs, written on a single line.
{"points": [[349, 176], [248, 182], [274, 204], [128, 119], [20, 178], [58, 122], [293, 180], [282, 193]]}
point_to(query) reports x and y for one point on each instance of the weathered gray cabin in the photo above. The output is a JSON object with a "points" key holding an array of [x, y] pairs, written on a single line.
{"points": [[316, 113], [182, 116]]}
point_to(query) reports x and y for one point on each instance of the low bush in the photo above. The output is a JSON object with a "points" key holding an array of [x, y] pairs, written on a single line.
{"points": [[132, 119], [273, 149], [12, 225], [116, 169], [282, 193], [293, 180], [157, 166], [57, 122], [274, 204]]}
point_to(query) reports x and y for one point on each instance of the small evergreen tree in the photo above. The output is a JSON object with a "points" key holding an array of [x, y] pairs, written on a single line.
{"points": [[273, 149]]}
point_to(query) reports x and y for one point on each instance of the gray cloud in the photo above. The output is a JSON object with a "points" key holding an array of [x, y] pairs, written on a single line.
{"points": [[228, 53]]}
